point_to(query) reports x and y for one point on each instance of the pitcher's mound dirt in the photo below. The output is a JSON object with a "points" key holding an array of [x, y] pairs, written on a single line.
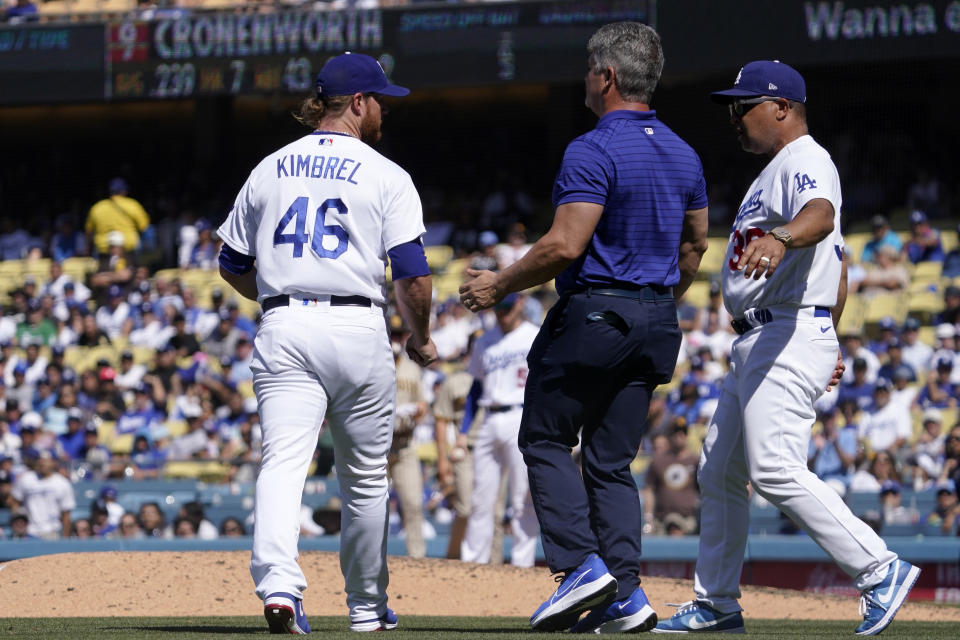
{"points": [[218, 583]]}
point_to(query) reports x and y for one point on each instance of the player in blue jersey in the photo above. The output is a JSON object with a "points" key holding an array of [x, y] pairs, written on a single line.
{"points": [[628, 233]]}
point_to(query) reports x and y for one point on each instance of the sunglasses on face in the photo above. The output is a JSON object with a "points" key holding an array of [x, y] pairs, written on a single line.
{"points": [[738, 108]]}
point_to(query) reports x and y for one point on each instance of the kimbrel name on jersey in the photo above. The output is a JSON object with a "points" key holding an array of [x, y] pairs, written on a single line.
{"points": [[324, 168]]}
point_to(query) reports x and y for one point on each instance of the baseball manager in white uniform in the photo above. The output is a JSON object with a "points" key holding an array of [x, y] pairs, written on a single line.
{"points": [[309, 237], [784, 284]]}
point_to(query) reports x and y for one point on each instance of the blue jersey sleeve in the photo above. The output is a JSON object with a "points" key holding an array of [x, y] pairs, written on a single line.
{"points": [[235, 262], [586, 175], [408, 260]]}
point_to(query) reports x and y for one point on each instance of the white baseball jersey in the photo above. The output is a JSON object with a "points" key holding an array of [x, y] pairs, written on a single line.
{"points": [[802, 171], [45, 499], [881, 426], [333, 207], [500, 361]]}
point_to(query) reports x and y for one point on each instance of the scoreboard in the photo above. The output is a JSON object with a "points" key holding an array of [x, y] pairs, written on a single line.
{"points": [[216, 54], [228, 53]]}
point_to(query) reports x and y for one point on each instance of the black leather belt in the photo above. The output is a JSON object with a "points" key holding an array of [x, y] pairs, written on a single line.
{"points": [[763, 316], [644, 292], [500, 408], [283, 300]]}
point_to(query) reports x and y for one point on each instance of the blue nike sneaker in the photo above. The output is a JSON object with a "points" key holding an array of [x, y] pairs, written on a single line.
{"points": [[699, 617], [631, 615], [589, 585], [284, 614], [879, 604]]}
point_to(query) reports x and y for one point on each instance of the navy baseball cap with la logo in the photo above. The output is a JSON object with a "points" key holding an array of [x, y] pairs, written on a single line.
{"points": [[351, 73], [765, 78]]}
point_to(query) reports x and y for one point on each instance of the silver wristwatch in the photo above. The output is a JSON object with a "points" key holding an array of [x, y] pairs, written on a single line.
{"points": [[781, 234]]}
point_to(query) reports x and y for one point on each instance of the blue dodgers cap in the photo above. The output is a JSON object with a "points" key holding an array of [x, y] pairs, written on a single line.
{"points": [[351, 73], [765, 78], [889, 486]]}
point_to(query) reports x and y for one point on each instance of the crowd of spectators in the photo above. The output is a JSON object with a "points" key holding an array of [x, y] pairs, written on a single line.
{"points": [[121, 371]]}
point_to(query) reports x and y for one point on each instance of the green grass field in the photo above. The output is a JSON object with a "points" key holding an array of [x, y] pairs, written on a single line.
{"points": [[411, 628]]}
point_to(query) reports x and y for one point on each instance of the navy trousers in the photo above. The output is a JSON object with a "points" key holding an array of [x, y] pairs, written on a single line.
{"points": [[594, 365]]}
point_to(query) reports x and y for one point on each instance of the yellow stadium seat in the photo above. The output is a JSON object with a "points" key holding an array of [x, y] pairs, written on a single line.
{"points": [[106, 430], [167, 274], [427, 451], [80, 264], [11, 274], [950, 418], [38, 268], [245, 389], [712, 261], [438, 256], [176, 427], [948, 240], [207, 470], [457, 266], [927, 335], [143, 355], [886, 304], [73, 356], [855, 242], [926, 271], [116, 6], [698, 295], [925, 302], [851, 322], [121, 444], [54, 7]]}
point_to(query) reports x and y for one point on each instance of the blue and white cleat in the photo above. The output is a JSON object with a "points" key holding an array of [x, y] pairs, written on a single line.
{"points": [[632, 615], [589, 585], [879, 604], [387, 622], [284, 614], [699, 617]]}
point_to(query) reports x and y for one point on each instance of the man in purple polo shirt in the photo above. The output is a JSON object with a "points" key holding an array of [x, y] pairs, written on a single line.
{"points": [[628, 233]]}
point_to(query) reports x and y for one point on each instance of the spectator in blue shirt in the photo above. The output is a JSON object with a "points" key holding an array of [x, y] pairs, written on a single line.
{"points": [[883, 236], [71, 443], [23, 11], [626, 241], [857, 389], [895, 364], [888, 332], [833, 451], [68, 241], [143, 417], [924, 243], [146, 457], [938, 392], [951, 263]]}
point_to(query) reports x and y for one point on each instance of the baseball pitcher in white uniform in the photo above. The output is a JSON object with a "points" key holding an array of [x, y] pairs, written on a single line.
{"points": [[320, 218], [784, 284], [498, 364]]}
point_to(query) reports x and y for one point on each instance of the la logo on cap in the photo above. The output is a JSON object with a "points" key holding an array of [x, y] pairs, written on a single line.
{"points": [[739, 73]]}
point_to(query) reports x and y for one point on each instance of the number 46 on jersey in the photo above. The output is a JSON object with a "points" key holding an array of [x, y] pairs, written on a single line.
{"points": [[297, 213]]}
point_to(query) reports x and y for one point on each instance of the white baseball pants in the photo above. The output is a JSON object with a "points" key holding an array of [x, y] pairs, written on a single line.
{"points": [[496, 449], [310, 363], [761, 432]]}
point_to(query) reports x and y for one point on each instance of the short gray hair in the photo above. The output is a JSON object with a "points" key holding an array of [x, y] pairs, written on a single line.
{"points": [[633, 51]]}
